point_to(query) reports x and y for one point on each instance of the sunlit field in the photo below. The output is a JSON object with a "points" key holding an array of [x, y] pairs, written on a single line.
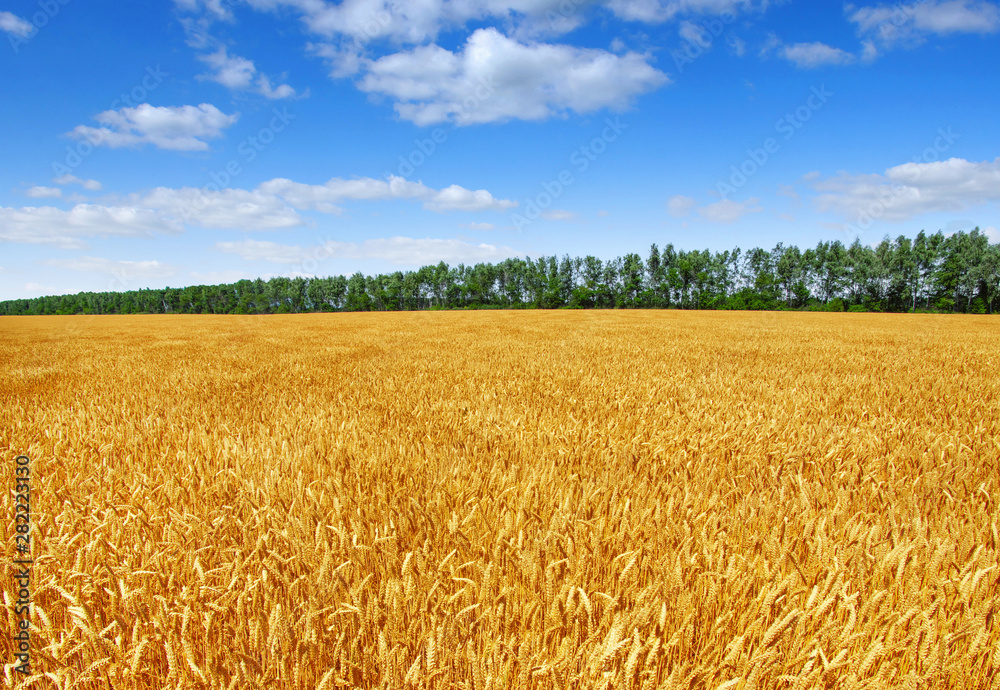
{"points": [[506, 500]]}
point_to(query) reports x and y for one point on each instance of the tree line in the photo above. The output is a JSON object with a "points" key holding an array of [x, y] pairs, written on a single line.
{"points": [[933, 272]]}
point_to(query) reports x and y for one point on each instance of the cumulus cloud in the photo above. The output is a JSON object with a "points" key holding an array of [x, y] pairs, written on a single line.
{"points": [[909, 24], [231, 71], [729, 211], [419, 21], [273, 205], [496, 78], [15, 26], [523, 78], [44, 192], [182, 128], [656, 11], [67, 229], [214, 8], [558, 214], [92, 185], [911, 189], [455, 198], [239, 74], [235, 209], [811, 55], [695, 33], [680, 205], [404, 251], [325, 197]]}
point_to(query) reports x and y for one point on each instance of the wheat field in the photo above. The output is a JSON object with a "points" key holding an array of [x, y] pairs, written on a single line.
{"points": [[506, 500]]}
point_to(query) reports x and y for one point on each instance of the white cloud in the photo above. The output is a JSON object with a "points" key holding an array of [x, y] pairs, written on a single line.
{"points": [[695, 33], [39, 289], [810, 55], [265, 89], [92, 185], [729, 211], [216, 8], [911, 189], [235, 209], [908, 25], [655, 11], [325, 197], [67, 229], [787, 190], [868, 51], [477, 226], [418, 21], [273, 205], [182, 128], [44, 192], [404, 251], [992, 234], [342, 61], [558, 214], [237, 73], [15, 26], [455, 198], [680, 205], [233, 72], [124, 270], [495, 78]]}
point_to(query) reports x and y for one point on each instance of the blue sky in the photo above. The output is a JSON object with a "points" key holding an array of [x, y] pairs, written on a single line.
{"points": [[204, 141]]}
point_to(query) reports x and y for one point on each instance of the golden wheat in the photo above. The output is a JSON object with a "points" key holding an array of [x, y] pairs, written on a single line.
{"points": [[499, 500]]}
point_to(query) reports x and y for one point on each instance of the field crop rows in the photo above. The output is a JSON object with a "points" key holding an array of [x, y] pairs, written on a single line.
{"points": [[507, 500]]}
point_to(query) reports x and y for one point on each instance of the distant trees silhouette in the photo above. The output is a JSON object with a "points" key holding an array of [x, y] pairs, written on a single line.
{"points": [[955, 273]]}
